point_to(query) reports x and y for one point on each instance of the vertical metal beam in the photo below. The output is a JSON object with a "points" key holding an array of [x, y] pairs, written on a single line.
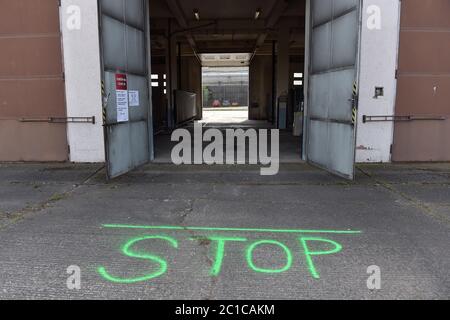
{"points": [[308, 27], [149, 82], [179, 65], [177, 12]]}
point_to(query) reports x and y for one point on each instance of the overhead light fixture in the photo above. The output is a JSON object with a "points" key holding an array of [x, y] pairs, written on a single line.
{"points": [[196, 14], [257, 14]]}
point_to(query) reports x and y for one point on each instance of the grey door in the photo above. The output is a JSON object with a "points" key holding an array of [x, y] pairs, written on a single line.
{"points": [[124, 33], [333, 85]]}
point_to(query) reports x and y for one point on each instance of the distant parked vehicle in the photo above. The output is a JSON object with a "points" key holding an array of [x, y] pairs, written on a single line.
{"points": [[216, 104], [226, 103]]}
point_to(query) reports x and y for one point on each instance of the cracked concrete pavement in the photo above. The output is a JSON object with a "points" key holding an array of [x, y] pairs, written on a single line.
{"points": [[54, 215]]}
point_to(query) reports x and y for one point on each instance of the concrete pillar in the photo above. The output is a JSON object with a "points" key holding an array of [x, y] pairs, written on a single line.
{"points": [[83, 82]]}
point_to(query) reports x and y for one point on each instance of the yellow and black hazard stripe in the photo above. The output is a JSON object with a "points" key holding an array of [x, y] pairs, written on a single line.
{"points": [[355, 103], [104, 102], [104, 115], [354, 116]]}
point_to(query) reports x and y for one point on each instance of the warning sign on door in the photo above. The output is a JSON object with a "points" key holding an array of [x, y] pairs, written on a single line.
{"points": [[133, 96], [121, 81], [122, 97]]}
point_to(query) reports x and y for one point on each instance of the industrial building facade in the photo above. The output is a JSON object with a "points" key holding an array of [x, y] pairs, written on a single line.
{"points": [[60, 66]]}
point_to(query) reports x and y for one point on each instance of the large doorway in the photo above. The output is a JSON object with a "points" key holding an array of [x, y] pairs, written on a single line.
{"points": [[225, 95], [274, 37]]}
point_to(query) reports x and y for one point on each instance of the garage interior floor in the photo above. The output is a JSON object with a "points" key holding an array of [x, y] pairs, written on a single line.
{"points": [[237, 118]]}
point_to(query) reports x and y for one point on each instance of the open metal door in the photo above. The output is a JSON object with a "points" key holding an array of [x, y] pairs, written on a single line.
{"points": [[125, 47], [333, 85]]}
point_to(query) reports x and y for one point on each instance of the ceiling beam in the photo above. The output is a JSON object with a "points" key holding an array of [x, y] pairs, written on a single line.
{"points": [[177, 13], [278, 8], [277, 11], [228, 26], [179, 16]]}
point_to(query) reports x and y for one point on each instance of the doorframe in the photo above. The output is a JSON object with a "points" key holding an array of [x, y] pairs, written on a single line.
{"points": [[148, 47], [306, 78]]}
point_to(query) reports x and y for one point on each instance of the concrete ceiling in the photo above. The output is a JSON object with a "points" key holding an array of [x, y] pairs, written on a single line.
{"points": [[227, 26], [228, 9]]}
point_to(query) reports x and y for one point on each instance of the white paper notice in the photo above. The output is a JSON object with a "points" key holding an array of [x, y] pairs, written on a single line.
{"points": [[133, 96], [122, 105]]}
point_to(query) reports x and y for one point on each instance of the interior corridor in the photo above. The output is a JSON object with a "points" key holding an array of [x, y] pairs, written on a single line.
{"points": [[290, 146]]}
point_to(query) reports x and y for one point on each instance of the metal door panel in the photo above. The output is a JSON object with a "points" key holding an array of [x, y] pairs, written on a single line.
{"points": [[321, 48], [323, 11], [139, 84], [320, 97], [344, 50], [341, 147], [136, 61], [124, 38], [342, 6], [340, 91], [110, 88], [135, 13], [120, 160], [114, 47], [139, 139], [318, 136], [333, 77], [113, 8]]}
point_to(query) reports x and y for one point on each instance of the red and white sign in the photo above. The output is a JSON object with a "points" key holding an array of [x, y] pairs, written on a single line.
{"points": [[121, 81], [122, 97]]}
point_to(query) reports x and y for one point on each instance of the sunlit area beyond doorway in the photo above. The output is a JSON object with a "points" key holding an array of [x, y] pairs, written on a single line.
{"points": [[225, 95]]}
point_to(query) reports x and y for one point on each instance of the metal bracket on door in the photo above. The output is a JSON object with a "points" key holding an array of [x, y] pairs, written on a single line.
{"points": [[402, 118]]}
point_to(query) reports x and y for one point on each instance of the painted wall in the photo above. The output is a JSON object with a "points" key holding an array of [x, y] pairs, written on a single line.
{"points": [[31, 82], [83, 78], [379, 48], [423, 82]]}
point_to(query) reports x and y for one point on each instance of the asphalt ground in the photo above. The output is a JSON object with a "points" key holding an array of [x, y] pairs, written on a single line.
{"points": [[157, 233]]}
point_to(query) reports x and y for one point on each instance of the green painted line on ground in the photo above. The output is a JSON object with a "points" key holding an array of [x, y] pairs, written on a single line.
{"points": [[258, 230]]}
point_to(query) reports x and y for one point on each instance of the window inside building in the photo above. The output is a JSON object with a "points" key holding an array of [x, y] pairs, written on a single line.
{"points": [[298, 79]]}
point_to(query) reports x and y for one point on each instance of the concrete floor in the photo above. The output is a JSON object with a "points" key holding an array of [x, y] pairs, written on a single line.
{"points": [[233, 118], [237, 115], [54, 216]]}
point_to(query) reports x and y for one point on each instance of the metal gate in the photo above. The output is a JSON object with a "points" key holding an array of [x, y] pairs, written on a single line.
{"points": [[333, 85], [124, 32]]}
